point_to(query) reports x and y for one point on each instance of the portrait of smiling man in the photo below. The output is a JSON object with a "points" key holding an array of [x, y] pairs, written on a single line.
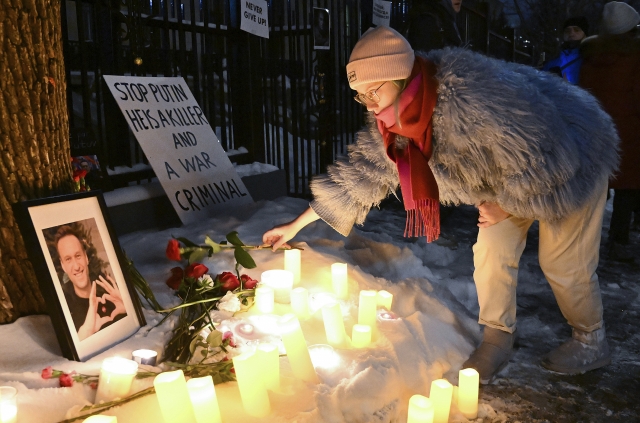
{"points": [[92, 295]]}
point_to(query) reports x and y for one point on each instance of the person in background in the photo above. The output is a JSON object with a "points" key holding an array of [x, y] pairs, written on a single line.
{"points": [[611, 73], [432, 25], [568, 63], [456, 127]]}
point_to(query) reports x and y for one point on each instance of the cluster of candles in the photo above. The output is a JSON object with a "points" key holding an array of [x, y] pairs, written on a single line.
{"points": [[437, 407], [257, 367], [180, 401]]}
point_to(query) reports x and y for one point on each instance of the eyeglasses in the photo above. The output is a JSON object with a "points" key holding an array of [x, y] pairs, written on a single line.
{"points": [[369, 96]]}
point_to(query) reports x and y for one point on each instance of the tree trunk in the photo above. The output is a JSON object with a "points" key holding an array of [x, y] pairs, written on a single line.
{"points": [[34, 135]]}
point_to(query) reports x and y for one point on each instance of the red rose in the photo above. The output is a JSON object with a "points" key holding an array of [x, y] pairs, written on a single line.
{"points": [[94, 385], [175, 279], [173, 250], [47, 372], [228, 336], [196, 270], [228, 280], [79, 174], [66, 380], [248, 282]]}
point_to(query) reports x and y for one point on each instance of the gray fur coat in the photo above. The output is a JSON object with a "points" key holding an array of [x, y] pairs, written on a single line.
{"points": [[502, 132]]}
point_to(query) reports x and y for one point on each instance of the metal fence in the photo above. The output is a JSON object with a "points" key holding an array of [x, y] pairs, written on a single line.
{"points": [[285, 102]]}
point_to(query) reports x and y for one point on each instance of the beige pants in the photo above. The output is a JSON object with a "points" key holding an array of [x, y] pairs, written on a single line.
{"points": [[568, 254]]}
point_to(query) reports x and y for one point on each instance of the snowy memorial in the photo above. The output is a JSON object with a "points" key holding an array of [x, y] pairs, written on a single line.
{"points": [[328, 342], [180, 144]]}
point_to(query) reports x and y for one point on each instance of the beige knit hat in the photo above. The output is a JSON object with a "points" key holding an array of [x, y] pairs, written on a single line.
{"points": [[381, 54], [618, 18]]}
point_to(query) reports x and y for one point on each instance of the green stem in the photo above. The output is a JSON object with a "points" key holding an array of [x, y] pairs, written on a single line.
{"points": [[107, 405]]}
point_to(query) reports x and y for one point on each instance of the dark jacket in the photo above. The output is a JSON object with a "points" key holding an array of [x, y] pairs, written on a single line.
{"points": [[567, 64], [432, 25], [610, 73]]}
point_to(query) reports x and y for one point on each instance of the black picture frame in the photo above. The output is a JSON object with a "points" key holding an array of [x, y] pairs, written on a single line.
{"points": [[71, 243]]}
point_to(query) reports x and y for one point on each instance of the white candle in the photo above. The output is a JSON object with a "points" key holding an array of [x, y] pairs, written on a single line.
{"points": [[8, 404], [296, 347], [468, 393], [101, 419], [334, 325], [264, 299], [361, 336], [300, 303], [420, 410], [281, 281], [203, 398], [173, 397], [367, 308], [269, 365], [339, 280], [324, 357], [251, 384], [147, 357], [385, 298], [292, 264], [441, 393], [116, 377]]}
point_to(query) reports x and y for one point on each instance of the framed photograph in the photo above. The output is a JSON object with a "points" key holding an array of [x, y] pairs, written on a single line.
{"points": [[78, 262], [321, 29]]}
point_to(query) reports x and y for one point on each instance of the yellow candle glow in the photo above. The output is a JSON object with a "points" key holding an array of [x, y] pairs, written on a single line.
{"points": [[116, 377], [296, 348], [203, 398], [334, 325], [385, 298], [253, 390], [420, 410], [361, 336], [340, 280], [101, 419], [441, 392], [264, 299], [292, 264], [468, 393], [300, 303], [8, 404], [367, 308], [269, 365], [281, 281], [173, 397]]}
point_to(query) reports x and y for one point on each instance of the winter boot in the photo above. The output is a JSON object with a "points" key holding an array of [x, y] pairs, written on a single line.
{"points": [[583, 352], [492, 354]]}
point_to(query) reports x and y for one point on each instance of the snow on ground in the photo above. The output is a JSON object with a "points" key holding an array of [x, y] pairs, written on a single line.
{"points": [[434, 295]]}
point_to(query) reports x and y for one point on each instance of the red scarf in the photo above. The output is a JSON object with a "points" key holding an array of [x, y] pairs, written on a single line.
{"points": [[419, 188]]}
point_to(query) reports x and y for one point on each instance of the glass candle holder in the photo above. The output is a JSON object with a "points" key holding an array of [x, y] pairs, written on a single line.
{"points": [[8, 404], [116, 377], [146, 357]]}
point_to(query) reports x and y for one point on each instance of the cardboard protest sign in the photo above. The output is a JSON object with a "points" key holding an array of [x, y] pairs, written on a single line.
{"points": [[381, 13], [255, 17], [183, 150]]}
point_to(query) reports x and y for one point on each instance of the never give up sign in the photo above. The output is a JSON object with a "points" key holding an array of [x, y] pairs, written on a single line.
{"points": [[180, 145]]}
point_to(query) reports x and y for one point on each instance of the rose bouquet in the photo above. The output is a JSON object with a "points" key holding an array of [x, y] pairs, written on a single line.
{"points": [[202, 293]]}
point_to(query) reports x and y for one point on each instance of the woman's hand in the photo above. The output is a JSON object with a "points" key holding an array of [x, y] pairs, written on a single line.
{"points": [[490, 214], [277, 237]]}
